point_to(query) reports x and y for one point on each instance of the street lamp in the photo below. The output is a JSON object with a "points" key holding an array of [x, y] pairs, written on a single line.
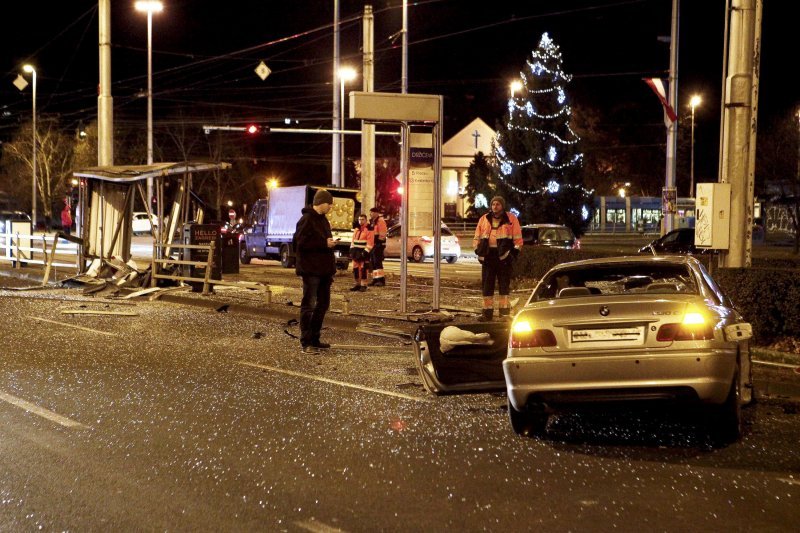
{"points": [[345, 74], [32, 71], [149, 7], [516, 85], [693, 103]]}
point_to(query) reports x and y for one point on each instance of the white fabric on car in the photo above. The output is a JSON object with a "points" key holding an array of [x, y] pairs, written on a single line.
{"points": [[451, 336]]}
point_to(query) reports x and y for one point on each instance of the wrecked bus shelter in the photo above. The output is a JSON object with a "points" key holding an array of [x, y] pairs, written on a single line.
{"points": [[104, 214]]}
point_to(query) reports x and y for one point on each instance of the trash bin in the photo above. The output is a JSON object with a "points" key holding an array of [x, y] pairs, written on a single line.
{"points": [[229, 250], [202, 234]]}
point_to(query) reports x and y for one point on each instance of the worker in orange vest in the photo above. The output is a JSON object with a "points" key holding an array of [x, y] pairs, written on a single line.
{"points": [[498, 239], [376, 258], [363, 243]]}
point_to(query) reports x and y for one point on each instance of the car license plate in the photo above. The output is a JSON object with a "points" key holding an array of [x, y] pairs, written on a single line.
{"points": [[611, 334]]}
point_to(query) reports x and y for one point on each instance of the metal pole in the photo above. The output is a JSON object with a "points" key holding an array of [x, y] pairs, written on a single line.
{"points": [[105, 103], [33, 181], [691, 165], [368, 130], [404, 75], [437, 206], [336, 172], [149, 101], [672, 137], [343, 173], [404, 154]]}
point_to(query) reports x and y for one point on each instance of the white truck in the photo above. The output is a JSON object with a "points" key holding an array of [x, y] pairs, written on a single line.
{"points": [[271, 223]]}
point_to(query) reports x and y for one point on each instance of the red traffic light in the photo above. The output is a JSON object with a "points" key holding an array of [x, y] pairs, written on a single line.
{"points": [[252, 129]]}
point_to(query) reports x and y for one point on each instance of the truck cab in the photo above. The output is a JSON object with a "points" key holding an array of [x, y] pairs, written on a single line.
{"points": [[272, 221]]}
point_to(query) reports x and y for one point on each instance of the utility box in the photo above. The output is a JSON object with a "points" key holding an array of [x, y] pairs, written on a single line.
{"points": [[712, 216]]}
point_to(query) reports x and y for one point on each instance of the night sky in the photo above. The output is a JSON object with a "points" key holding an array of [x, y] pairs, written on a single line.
{"points": [[205, 53]]}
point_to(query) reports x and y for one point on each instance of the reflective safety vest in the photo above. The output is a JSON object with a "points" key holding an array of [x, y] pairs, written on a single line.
{"points": [[364, 238], [379, 227], [506, 227]]}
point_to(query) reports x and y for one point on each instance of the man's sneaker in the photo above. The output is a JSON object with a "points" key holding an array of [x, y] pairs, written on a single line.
{"points": [[355, 288], [363, 288], [378, 282], [310, 350], [321, 345]]}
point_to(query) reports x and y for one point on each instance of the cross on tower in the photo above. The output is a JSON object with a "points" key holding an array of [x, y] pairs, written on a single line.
{"points": [[476, 135]]}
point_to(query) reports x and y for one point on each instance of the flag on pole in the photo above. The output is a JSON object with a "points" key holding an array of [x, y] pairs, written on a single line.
{"points": [[658, 87]]}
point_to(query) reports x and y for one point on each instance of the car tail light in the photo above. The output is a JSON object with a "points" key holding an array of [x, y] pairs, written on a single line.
{"points": [[694, 327], [523, 335], [426, 239], [456, 238], [576, 245]]}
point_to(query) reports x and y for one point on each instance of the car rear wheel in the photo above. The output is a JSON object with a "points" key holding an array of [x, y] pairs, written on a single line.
{"points": [[417, 255], [452, 259], [725, 421], [244, 257], [529, 423]]}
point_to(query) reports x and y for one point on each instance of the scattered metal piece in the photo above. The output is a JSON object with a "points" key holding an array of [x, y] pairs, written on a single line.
{"points": [[95, 312], [163, 290], [141, 292]]}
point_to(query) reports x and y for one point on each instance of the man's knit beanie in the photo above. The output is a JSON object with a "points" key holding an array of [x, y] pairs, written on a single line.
{"points": [[323, 197], [498, 199]]}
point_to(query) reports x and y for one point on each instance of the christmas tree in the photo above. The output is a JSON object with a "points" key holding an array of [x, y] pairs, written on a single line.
{"points": [[536, 151], [479, 189]]}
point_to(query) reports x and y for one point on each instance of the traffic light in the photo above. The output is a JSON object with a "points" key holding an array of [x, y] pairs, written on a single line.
{"points": [[256, 129]]}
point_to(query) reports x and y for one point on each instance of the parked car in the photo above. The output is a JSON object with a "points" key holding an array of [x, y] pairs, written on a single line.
{"points": [[607, 331], [142, 224], [420, 247], [553, 235], [679, 241]]}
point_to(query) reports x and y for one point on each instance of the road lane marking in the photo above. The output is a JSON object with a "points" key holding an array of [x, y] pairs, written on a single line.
{"points": [[334, 382], [73, 326], [40, 411], [770, 363], [316, 526]]}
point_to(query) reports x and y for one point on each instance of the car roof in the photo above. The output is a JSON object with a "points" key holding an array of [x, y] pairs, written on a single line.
{"points": [[630, 259], [545, 226]]}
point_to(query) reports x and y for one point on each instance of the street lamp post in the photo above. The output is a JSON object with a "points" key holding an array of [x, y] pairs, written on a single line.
{"points": [[149, 7], [32, 71], [693, 103], [345, 74]]}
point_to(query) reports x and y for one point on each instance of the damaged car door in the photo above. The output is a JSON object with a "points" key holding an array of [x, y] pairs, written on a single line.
{"points": [[462, 357]]}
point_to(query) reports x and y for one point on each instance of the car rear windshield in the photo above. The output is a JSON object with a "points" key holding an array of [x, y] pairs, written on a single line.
{"points": [[598, 280], [555, 234]]}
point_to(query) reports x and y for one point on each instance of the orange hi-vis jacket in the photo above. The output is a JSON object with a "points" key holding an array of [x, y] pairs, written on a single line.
{"points": [[379, 228], [508, 228], [363, 238]]}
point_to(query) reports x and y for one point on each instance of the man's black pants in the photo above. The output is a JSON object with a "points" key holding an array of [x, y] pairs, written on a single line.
{"points": [[494, 269], [316, 301]]}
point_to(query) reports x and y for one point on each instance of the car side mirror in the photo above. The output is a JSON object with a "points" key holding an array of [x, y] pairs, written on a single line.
{"points": [[738, 332]]}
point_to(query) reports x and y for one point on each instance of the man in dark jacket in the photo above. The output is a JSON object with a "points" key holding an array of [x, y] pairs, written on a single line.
{"points": [[315, 262]]}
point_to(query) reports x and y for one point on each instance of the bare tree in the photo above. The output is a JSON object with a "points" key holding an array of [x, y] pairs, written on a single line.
{"points": [[54, 156]]}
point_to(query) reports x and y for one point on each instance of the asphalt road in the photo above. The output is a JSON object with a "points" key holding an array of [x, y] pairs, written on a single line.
{"points": [[186, 418]]}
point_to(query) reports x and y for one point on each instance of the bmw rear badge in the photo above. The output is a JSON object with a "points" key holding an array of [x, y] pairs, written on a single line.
{"points": [[604, 310]]}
